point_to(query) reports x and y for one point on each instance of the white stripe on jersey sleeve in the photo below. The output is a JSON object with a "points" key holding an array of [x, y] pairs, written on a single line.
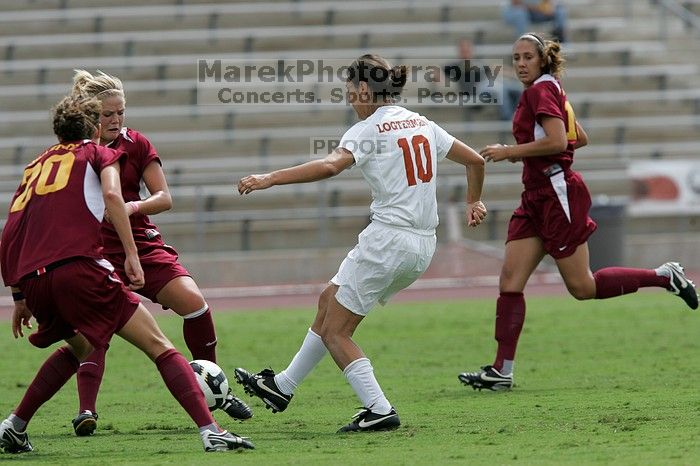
{"points": [[92, 190]]}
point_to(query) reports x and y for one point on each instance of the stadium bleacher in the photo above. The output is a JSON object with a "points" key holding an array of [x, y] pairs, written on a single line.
{"points": [[623, 79]]}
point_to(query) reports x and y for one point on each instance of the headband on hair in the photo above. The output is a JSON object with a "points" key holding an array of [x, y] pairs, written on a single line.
{"points": [[531, 36], [108, 90]]}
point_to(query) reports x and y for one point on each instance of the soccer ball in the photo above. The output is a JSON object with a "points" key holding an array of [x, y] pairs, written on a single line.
{"points": [[212, 381]]}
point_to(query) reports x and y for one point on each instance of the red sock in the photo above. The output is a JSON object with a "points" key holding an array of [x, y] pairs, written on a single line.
{"points": [[616, 281], [89, 378], [200, 336], [510, 317], [179, 378], [52, 375]]}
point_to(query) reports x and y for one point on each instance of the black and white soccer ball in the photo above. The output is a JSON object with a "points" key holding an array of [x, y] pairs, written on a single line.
{"points": [[212, 381]]}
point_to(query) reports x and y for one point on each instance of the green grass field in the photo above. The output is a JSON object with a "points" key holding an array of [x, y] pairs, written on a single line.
{"points": [[597, 383]]}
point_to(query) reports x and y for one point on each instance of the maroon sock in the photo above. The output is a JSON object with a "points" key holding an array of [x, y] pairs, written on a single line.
{"points": [[52, 375], [200, 336], [510, 316], [179, 378], [89, 378], [616, 281]]}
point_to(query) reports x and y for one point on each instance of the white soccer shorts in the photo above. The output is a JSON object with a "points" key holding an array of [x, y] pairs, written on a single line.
{"points": [[386, 260]]}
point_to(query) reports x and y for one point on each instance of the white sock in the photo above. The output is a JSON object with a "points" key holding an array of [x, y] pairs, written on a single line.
{"points": [[212, 427], [18, 424], [507, 368], [310, 354], [360, 374]]}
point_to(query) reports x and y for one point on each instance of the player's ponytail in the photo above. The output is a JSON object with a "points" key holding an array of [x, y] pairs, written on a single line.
{"points": [[553, 58], [101, 86], [385, 82], [76, 118], [550, 53]]}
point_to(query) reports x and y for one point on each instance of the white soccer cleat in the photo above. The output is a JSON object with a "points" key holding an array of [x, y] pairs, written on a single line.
{"points": [[488, 377], [679, 284], [223, 441], [12, 441]]}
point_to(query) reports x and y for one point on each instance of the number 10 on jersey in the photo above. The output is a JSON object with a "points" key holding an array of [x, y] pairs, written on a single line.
{"points": [[419, 148]]}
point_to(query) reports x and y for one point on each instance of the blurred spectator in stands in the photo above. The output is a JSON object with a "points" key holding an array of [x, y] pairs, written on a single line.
{"points": [[521, 14], [458, 71]]}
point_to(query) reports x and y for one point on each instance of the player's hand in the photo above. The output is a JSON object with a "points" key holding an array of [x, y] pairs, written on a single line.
{"points": [[21, 316], [476, 213], [134, 272], [252, 183], [515, 159], [495, 152], [130, 209]]}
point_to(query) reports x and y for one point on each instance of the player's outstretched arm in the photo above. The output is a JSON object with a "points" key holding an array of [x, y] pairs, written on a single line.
{"points": [[465, 155], [114, 203], [334, 163]]}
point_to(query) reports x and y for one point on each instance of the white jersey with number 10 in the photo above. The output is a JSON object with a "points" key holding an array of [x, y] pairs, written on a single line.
{"points": [[397, 151]]}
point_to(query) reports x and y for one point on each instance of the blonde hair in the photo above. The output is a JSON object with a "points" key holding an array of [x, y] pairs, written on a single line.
{"points": [[550, 53], [101, 86], [76, 117]]}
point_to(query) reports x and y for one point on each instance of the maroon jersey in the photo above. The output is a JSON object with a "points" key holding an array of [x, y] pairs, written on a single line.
{"points": [[545, 98], [140, 153], [57, 210]]}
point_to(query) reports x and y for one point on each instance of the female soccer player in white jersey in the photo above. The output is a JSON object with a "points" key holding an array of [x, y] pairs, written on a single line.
{"points": [[397, 152]]}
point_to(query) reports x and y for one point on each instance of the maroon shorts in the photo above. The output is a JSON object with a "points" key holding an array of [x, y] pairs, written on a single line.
{"points": [[83, 296], [557, 214], [159, 265]]}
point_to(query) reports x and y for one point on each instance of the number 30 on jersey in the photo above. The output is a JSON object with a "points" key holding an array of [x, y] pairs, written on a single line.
{"points": [[43, 170]]}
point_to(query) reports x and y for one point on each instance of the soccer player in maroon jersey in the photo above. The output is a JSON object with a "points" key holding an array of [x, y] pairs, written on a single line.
{"points": [[167, 282], [553, 215], [50, 257]]}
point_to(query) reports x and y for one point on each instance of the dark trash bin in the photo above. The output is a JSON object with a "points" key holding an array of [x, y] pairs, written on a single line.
{"points": [[607, 244]]}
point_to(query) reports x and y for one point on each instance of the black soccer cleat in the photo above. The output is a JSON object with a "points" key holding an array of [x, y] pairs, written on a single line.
{"points": [[488, 377], [236, 408], [264, 387], [366, 421], [223, 441], [680, 285], [12, 441], [85, 424]]}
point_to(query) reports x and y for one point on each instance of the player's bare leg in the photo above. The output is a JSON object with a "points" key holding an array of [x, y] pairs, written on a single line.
{"points": [[337, 329], [521, 259], [576, 273]]}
